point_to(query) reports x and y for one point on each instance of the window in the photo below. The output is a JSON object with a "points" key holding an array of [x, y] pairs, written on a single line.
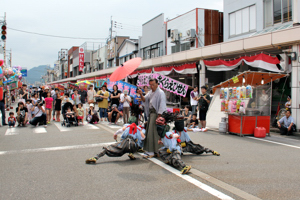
{"points": [[169, 33], [185, 46], [242, 21], [277, 11]]}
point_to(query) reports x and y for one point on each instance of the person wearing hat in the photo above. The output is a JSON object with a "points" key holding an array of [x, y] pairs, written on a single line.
{"points": [[131, 141], [114, 115], [92, 116], [125, 99]]}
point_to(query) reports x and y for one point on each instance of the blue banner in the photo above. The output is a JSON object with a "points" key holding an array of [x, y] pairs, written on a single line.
{"points": [[122, 86], [24, 72]]}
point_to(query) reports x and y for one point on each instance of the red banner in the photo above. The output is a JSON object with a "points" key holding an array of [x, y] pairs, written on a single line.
{"points": [[81, 59]]}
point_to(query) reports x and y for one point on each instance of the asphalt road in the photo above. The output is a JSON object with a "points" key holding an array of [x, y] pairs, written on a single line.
{"points": [[49, 163]]}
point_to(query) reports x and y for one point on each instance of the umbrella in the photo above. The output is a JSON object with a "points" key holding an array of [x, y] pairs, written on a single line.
{"points": [[125, 69], [83, 82]]}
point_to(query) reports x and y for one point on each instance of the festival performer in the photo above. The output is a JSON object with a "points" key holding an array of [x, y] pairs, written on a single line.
{"points": [[131, 140], [171, 151], [155, 105], [185, 141]]}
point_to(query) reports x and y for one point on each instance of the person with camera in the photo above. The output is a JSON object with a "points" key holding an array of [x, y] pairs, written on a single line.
{"points": [[204, 100], [22, 113], [39, 114], [114, 114]]}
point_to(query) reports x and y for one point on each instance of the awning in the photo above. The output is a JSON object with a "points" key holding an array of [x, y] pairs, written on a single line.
{"points": [[138, 72], [251, 78], [261, 60], [190, 68], [100, 77]]}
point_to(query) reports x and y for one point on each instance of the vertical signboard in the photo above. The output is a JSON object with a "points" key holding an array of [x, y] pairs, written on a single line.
{"points": [[81, 59]]}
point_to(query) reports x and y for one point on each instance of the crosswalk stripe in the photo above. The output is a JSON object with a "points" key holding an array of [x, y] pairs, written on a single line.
{"points": [[11, 131], [39, 130], [62, 128], [90, 126]]}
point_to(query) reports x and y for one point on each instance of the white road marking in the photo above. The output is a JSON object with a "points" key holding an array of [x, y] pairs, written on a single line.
{"points": [[55, 148], [11, 131], [62, 128], [188, 178], [39, 130], [288, 145], [90, 126]]}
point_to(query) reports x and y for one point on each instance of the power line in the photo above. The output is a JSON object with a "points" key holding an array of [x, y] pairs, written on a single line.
{"points": [[56, 36]]}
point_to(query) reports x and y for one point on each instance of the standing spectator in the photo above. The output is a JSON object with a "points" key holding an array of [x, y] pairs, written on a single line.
{"points": [[80, 113], [57, 107], [45, 92], [288, 104], [92, 116], [39, 115], [91, 94], [137, 98], [187, 114], [193, 96], [29, 107], [54, 99], [114, 115], [35, 98], [285, 124], [2, 108], [76, 98], [22, 113], [23, 94], [125, 99], [11, 120], [48, 105], [146, 90], [52, 92], [204, 100], [103, 105], [83, 95], [115, 96]]}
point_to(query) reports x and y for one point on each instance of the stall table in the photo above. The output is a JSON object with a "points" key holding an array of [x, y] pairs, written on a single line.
{"points": [[245, 124]]}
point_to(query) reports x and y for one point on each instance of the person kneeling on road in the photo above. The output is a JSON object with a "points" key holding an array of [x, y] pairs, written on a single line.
{"points": [[22, 112], [39, 115], [131, 141], [114, 115]]}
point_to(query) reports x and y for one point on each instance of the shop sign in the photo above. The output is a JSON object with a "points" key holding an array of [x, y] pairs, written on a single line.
{"points": [[81, 59], [165, 83]]}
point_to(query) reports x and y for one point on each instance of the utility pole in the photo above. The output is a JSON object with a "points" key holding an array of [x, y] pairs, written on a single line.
{"points": [[111, 26]]}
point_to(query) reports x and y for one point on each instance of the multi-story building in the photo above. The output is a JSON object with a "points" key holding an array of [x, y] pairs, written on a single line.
{"points": [[112, 50], [196, 28], [128, 50], [99, 58], [152, 45]]}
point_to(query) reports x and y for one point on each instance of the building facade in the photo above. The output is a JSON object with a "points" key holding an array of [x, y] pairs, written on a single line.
{"points": [[128, 50]]}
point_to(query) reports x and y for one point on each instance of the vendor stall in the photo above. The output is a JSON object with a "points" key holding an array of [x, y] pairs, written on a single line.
{"points": [[246, 99]]}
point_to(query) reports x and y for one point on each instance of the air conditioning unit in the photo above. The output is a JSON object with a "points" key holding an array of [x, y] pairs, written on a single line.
{"points": [[191, 33], [174, 35]]}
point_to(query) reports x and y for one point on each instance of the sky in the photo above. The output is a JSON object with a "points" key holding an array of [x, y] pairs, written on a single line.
{"points": [[79, 19]]}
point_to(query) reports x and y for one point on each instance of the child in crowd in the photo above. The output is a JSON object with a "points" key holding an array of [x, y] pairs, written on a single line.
{"points": [[11, 120], [29, 108], [185, 141], [194, 122], [80, 113], [57, 107], [70, 113], [131, 140], [49, 103]]}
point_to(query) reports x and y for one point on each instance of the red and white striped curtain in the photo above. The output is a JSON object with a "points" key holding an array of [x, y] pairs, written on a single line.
{"points": [[137, 72], [190, 68], [262, 61]]}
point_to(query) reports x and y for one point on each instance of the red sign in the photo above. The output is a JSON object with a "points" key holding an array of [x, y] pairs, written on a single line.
{"points": [[81, 59]]}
